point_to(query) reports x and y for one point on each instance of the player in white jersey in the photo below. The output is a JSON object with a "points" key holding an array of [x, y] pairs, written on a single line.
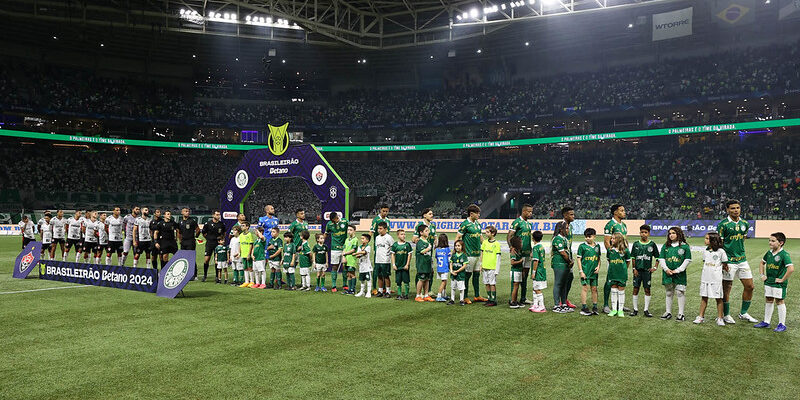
{"points": [[91, 236], [46, 232], [27, 229], [127, 224], [115, 229], [74, 231], [142, 239], [102, 232], [59, 234], [84, 217]]}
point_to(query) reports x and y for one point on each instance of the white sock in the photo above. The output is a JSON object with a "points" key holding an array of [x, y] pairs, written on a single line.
{"points": [[621, 299], [614, 297], [64, 256], [369, 284], [148, 263], [362, 287], [124, 258], [108, 260], [77, 256], [263, 277], [768, 307], [453, 293], [782, 313], [636, 303], [540, 297], [670, 293], [646, 302], [461, 295], [97, 260], [135, 261], [380, 290], [257, 278], [681, 301]]}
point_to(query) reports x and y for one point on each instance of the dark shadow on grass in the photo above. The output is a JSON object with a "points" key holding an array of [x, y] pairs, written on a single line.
{"points": [[198, 293]]}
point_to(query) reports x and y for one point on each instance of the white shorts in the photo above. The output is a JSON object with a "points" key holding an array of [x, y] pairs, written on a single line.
{"points": [[742, 269], [336, 258], [259, 265], [527, 262], [127, 244], [539, 285], [320, 267], [274, 264], [222, 264], [711, 290], [304, 271], [237, 265], [774, 292], [443, 275], [473, 264], [516, 276], [289, 270], [457, 285], [672, 286], [490, 277]]}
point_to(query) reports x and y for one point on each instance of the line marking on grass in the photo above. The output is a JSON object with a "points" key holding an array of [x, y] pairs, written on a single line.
{"points": [[52, 288]]}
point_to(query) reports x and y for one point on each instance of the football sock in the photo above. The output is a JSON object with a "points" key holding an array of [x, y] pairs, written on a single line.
{"points": [[452, 293], [77, 256], [669, 294], [681, 301], [745, 306], [646, 302], [614, 297], [621, 299], [726, 308], [636, 303], [108, 260], [278, 278], [466, 283], [135, 261], [523, 289], [64, 256], [317, 281], [271, 277], [334, 276], [149, 263], [97, 260], [782, 313], [768, 308], [369, 283], [606, 293], [476, 284], [594, 306], [461, 295], [323, 281]]}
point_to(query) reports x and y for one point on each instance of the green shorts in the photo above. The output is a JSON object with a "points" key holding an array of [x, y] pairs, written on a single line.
{"points": [[643, 279], [351, 269], [383, 270], [364, 276], [590, 280], [618, 283], [422, 276], [402, 276], [247, 263]]}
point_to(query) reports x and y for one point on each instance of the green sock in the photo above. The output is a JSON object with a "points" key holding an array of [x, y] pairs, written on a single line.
{"points": [[333, 278], [476, 284], [523, 287], [317, 281], [278, 278], [745, 306], [594, 305], [466, 284], [606, 292], [727, 307]]}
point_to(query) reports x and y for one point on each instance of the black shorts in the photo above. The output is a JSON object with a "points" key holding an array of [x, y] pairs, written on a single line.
{"points": [[154, 250], [56, 241], [74, 242], [89, 246], [25, 241], [210, 249], [143, 247], [169, 247], [102, 247], [189, 245], [115, 247], [45, 246]]}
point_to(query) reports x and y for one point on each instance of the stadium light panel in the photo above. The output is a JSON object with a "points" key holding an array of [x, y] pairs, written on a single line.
{"points": [[473, 13], [247, 18], [531, 2], [458, 17], [479, 51], [183, 11], [233, 15], [502, 6], [269, 19], [630, 25], [527, 43]]}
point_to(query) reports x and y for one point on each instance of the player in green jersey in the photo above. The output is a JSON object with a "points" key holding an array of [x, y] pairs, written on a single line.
{"points": [[521, 228], [320, 251], [588, 258], [383, 216], [336, 231], [427, 220], [614, 225], [776, 268], [643, 254], [246, 241], [349, 250], [297, 226], [259, 259], [517, 259], [458, 266], [619, 260], [305, 259], [424, 271], [289, 259], [733, 231], [538, 272], [674, 259], [274, 254], [566, 285], [561, 262], [470, 232], [401, 264], [223, 257]]}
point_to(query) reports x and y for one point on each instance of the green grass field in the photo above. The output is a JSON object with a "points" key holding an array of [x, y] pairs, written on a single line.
{"points": [[226, 342]]}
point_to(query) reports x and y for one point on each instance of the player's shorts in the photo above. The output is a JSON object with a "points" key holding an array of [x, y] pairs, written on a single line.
{"points": [[643, 278], [155, 250], [443, 276], [539, 285], [591, 280], [774, 292], [169, 248], [59, 240], [209, 249], [74, 242], [742, 269], [127, 245], [45, 246], [88, 247], [673, 286], [102, 247], [711, 290], [274, 264], [222, 264], [618, 283], [363, 276], [402, 276], [336, 257], [143, 247], [304, 271], [527, 262], [189, 244], [351, 269], [237, 265], [458, 285], [516, 276], [473, 264], [289, 270], [422, 276], [320, 267], [259, 265], [25, 241], [383, 270], [246, 264], [114, 247], [490, 277]]}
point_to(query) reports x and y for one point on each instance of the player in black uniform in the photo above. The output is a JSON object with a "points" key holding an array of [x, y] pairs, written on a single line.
{"points": [[188, 231], [154, 252], [212, 231], [165, 237]]}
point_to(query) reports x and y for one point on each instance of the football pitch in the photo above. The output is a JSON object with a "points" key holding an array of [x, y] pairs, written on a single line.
{"points": [[226, 342]]}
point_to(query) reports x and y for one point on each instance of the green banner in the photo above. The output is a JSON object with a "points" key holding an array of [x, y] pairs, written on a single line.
{"points": [[777, 123]]}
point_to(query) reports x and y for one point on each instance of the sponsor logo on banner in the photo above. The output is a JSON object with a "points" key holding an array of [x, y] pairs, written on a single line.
{"points": [[319, 175], [690, 227], [672, 24], [176, 274], [735, 12], [230, 215], [27, 259], [241, 179], [278, 140], [229, 195], [327, 215], [139, 279]]}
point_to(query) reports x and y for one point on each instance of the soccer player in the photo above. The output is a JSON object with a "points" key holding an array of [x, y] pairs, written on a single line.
{"points": [[165, 237], [289, 261], [102, 239], [715, 260], [383, 216], [383, 262], [733, 231], [490, 258], [458, 266], [423, 256], [115, 225], [59, 235], [274, 254], [588, 259], [213, 230], [155, 249], [142, 238], [259, 259], [305, 260], [517, 259], [674, 259], [298, 226], [614, 225], [223, 257], [246, 241], [427, 220], [470, 232], [776, 268], [128, 224], [236, 256], [521, 228], [643, 253], [28, 231], [91, 235], [189, 231], [336, 230], [46, 232], [74, 230], [568, 213], [320, 261], [269, 221], [401, 263], [561, 262], [538, 272], [350, 248], [619, 259], [364, 266], [442, 266]]}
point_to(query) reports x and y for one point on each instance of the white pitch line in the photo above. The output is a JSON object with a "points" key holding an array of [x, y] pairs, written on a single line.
{"points": [[52, 288]]}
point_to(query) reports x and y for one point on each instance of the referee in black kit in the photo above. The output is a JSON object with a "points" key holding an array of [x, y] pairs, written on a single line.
{"points": [[212, 231], [188, 231]]}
